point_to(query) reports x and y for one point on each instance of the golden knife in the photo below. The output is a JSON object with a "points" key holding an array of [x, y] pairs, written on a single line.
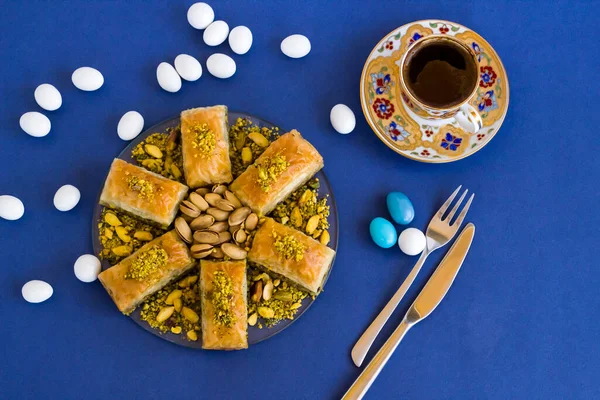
{"points": [[430, 297]]}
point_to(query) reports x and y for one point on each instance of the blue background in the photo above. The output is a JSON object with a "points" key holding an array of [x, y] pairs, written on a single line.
{"points": [[521, 320]]}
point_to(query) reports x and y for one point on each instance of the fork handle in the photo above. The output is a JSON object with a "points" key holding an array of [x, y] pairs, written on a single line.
{"points": [[370, 373], [361, 348]]}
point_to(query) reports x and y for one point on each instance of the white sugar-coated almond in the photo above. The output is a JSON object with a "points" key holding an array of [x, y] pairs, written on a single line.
{"points": [[66, 198], [87, 79], [411, 241], [295, 46], [168, 78], [216, 33], [200, 15], [36, 291], [342, 118], [11, 208], [240, 39], [130, 125], [188, 67], [35, 124], [48, 97], [220, 66], [87, 267]]}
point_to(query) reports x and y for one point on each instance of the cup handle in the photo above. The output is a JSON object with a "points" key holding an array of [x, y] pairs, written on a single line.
{"points": [[469, 119]]}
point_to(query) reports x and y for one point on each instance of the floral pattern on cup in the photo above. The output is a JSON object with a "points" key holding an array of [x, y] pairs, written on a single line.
{"points": [[397, 132], [383, 108], [487, 77], [381, 83]]}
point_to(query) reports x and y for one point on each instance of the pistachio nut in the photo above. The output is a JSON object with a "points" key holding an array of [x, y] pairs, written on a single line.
{"points": [[183, 229], [233, 251]]}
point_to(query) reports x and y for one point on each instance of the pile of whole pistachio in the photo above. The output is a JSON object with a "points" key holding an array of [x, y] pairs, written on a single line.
{"points": [[215, 224]]}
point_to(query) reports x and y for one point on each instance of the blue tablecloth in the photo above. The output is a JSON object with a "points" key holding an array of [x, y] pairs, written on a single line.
{"points": [[521, 320]]}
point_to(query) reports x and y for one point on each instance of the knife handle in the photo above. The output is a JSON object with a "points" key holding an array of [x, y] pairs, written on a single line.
{"points": [[362, 346], [372, 370]]}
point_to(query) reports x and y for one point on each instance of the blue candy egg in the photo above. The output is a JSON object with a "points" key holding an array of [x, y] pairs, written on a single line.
{"points": [[383, 232], [400, 208]]}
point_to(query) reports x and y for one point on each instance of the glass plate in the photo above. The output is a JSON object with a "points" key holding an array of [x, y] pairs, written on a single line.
{"points": [[255, 335]]}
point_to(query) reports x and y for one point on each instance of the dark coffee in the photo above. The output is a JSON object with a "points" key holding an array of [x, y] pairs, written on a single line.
{"points": [[441, 73]]}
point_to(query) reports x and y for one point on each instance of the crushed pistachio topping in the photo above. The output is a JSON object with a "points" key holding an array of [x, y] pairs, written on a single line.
{"points": [[283, 302], [144, 188], [171, 164], [221, 297], [204, 139], [300, 207], [270, 169], [289, 247], [242, 150], [183, 293], [121, 235], [146, 263]]}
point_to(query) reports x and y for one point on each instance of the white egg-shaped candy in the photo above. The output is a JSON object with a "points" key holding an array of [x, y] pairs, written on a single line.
{"points": [[342, 118], [200, 15], [220, 66], [11, 208], [411, 241], [36, 291], [130, 125], [48, 97], [240, 39], [168, 78], [87, 267], [295, 46], [188, 67], [66, 198], [216, 33], [35, 124], [87, 79]]}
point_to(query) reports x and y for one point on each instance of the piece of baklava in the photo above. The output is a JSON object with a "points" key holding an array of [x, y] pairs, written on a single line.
{"points": [[146, 271], [205, 146], [291, 254], [224, 308], [286, 164], [142, 193]]}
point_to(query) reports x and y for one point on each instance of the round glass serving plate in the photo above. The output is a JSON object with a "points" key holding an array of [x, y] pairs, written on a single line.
{"points": [[255, 335]]}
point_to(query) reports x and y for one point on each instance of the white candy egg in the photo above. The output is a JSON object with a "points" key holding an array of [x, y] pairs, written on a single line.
{"points": [[168, 78], [200, 15], [295, 46], [220, 65], [66, 198], [36, 291], [87, 79], [48, 97], [411, 241], [130, 125], [342, 118], [188, 67], [240, 39], [216, 33], [11, 208], [87, 267], [35, 124]]}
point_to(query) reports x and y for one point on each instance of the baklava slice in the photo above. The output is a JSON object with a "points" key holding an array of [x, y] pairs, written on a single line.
{"points": [[223, 289], [142, 193], [286, 164], [291, 254], [147, 271], [205, 146]]}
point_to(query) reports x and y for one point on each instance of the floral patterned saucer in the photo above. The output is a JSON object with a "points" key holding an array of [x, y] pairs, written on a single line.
{"points": [[428, 140]]}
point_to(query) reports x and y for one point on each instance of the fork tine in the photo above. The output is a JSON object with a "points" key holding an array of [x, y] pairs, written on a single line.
{"points": [[455, 208], [463, 213], [445, 206]]}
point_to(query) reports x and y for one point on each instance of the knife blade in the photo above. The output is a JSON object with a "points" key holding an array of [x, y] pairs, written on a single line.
{"points": [[430, 297]]}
